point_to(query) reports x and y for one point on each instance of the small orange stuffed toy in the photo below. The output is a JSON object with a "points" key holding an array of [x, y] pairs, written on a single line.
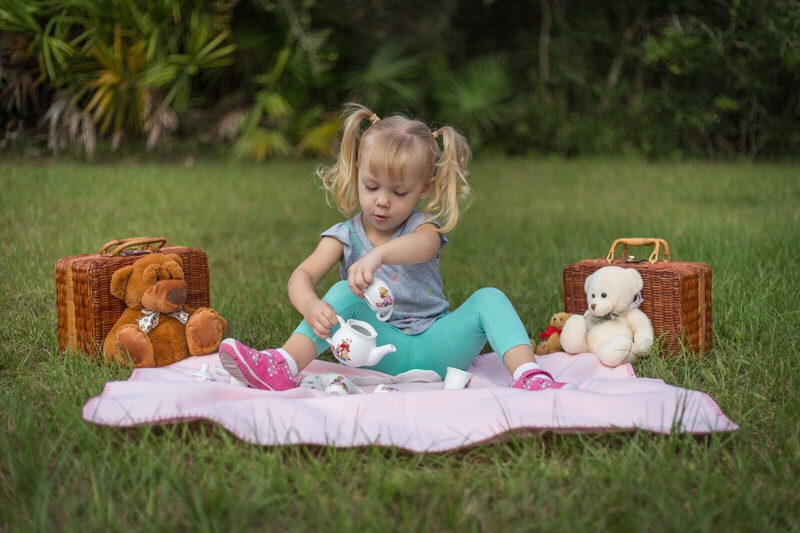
{"points": [[157, 328], [551, 337]]}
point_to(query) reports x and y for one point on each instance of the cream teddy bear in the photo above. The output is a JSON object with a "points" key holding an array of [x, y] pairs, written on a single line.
{"points": [[613, 327]]}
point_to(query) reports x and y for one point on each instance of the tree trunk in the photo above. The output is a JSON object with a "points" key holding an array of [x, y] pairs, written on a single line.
{"points": [[544, 41]]}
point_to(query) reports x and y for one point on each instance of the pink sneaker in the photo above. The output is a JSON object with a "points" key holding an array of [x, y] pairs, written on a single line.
{"points": [[538, 379], [266, 369]]}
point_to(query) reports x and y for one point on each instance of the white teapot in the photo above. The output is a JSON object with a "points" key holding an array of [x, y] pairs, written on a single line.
{"points": [[354, 344]]}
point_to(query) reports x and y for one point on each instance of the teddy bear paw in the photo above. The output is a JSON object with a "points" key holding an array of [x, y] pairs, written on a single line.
{"points": [[573, 335], [617, 351], [204, 331], [551, 345], [132, 345]]}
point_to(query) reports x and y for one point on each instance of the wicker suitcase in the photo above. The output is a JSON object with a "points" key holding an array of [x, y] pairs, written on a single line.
{"points": [[86, 308], [677, 294]]}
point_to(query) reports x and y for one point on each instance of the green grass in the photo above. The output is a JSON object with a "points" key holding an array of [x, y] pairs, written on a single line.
{"points": [[531, 218]]}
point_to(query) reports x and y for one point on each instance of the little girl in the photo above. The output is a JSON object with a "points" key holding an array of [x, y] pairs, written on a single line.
{"points": [[385, 171]]}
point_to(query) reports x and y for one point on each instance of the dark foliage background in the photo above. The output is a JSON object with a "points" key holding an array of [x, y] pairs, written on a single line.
{"points": [[264, 78]]}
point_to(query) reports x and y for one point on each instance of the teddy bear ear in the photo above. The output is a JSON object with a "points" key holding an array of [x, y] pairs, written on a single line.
{"points": [[119, 281], [636, 278]]}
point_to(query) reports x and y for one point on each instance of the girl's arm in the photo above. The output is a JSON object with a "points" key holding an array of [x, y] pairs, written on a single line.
{"points": [[303, 281], [418, 247]]}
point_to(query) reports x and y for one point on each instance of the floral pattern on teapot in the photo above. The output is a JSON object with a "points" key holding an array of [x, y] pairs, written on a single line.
{"points": [[342, 350]]}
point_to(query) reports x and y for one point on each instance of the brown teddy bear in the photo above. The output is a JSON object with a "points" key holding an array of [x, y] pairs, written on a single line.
{"points": [[157, 329], [551, 337]]}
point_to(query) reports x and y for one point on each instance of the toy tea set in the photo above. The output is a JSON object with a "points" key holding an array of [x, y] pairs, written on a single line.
{"points": [[354, 343]]}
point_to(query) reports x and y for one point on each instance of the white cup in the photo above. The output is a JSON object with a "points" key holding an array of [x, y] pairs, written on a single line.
{"points": [[456, 379], [380, 299]]}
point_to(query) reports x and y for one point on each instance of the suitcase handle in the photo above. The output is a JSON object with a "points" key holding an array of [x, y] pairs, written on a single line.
{"points": [[641, 241], [145, 245]]}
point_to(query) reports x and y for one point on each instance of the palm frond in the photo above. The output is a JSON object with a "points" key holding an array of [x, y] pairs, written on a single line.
{"points": [[389, 81], [474, 98]]}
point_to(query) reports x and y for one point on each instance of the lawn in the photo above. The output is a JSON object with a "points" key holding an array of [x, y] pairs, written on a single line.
{"points": [[530, 219]]}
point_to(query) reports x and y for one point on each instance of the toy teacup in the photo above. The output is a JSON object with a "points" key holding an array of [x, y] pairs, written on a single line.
{"points": [[380, 299], [456, 378]]}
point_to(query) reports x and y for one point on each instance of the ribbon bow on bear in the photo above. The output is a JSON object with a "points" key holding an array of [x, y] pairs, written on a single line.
{"points": [[149, 319]]}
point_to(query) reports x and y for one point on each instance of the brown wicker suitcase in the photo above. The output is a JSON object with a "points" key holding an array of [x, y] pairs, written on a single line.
{"points": [[677, 294], [86, 308]]}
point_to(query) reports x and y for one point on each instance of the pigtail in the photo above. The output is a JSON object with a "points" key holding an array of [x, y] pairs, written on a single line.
{"points": [[451, 189], [341, 180]]}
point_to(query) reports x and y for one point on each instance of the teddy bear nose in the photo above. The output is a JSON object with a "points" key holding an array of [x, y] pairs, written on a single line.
{"points": [[593, 306], [176, 296]]}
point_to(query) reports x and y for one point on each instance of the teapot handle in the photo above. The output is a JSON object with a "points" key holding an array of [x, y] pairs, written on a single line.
{"points": [[342, 323]]}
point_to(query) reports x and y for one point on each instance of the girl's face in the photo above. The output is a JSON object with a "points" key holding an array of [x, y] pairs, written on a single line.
{"points": [[387, 203]]}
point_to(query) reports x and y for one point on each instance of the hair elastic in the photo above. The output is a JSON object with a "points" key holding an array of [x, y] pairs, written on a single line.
{"points": [[436, 133], [374, 118]]}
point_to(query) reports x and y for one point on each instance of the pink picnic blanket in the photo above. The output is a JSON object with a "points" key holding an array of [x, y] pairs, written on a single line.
{"points": [[419, 415]]}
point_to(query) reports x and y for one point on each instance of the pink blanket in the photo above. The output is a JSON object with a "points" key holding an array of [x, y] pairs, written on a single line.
{"points": [[420, 416]]}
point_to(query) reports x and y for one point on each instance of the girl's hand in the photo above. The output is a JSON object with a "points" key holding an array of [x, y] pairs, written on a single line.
{"points": [[360, 273], [321, 317]]}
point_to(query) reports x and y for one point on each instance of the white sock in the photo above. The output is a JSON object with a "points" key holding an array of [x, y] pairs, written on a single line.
{"points": [[524, 367], [290, 362]]}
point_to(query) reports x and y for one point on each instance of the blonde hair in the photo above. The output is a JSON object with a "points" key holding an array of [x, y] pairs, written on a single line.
{"points": [[400, 144]]}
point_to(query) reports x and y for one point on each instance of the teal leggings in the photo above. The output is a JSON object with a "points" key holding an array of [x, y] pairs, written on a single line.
{"points": [[454, 339]]}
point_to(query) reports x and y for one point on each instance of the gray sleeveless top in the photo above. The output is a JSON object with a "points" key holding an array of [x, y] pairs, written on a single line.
{"points": [[417, 289]]}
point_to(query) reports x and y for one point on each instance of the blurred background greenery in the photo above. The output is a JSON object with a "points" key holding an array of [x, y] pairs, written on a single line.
{"points": [[259, 79]]}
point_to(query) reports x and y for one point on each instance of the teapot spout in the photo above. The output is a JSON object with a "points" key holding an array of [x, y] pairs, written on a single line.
{"points": [[379, 352]]}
